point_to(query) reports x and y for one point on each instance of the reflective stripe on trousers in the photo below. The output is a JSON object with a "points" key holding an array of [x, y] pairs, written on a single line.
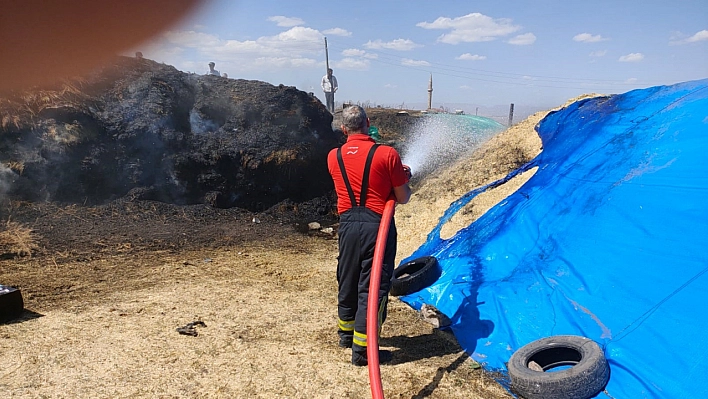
{"points": [[360, 338]]}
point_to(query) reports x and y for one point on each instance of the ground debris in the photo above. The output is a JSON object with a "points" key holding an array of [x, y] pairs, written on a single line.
{"points": [[535, 366], [190, 328], [432, 315]]}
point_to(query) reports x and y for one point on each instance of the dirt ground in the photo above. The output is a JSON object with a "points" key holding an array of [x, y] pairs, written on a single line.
{"points": [[108, 286]]}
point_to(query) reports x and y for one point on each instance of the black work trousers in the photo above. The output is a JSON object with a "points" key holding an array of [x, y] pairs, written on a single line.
{"points": [[358, 228]]}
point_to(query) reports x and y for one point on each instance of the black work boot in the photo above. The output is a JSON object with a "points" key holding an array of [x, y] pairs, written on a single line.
{"points": [[345, 341], [359, 358]]}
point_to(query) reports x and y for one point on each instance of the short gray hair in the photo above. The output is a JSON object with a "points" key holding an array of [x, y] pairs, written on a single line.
{"points": [[354, 119]]}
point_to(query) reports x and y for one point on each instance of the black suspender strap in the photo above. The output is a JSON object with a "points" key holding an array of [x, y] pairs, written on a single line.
{"points": [[352, 199], [365, 177]]}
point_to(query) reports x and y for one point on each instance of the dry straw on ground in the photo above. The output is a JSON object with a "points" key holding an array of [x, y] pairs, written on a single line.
{"points": [[103, 325], [16, 239]]}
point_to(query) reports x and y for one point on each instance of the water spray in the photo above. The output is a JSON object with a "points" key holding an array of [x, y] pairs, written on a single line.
{"points": [[441, 138]]}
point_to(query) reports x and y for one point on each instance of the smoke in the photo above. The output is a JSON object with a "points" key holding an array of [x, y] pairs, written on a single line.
{"points": [[440, 139], [200, 125], [7, 177]]}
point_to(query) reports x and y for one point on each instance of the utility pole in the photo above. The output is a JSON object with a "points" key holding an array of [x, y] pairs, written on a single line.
{"points": [[511, 114], [326, 56], [430, 92], [330, 79]]}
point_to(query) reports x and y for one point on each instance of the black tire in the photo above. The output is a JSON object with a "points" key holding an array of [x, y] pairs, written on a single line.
{"points": [[415, 275], [11, 303], [587, 376]]}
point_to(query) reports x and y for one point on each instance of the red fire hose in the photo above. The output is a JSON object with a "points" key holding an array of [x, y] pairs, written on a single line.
{"points": [[372, 306]]}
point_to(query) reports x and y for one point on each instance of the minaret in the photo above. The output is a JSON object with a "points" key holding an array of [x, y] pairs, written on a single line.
{"points": [[430, 92]]}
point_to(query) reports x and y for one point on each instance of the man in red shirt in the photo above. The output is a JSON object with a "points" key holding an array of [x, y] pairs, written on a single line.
{"points": [[365, 176]]}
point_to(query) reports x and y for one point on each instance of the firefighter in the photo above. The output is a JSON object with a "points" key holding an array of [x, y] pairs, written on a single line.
{"points": [[365, 176]]}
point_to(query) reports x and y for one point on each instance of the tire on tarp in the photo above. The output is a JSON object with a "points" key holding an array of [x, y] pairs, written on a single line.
{"points": [[587, 375], [11, 303], [414, 275]]}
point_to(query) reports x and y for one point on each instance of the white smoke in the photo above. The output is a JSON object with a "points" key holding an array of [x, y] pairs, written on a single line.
{"points": [[7, 178], [200, 125]]}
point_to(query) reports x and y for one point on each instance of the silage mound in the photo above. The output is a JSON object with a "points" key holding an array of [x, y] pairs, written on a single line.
{"points": [[147, 130]]}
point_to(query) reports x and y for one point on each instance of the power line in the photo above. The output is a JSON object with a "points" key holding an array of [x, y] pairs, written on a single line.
{"points": [[437, 68], [396, 59], [444, 72], [455, 71]]}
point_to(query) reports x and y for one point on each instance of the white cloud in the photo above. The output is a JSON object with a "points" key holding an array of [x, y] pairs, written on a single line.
{"points": [[676, 37], [631, 80], [246, 48], [353, 52], [299, 34], [356, 64], [523, 40], [588, 38], [390, 86], [284, 62], [298, 39], [298, 47], [199, 27], [414, 63], [286, 21], [162, 53], [699, 36], [631, 57], [398, 44], [466, 87], [680, 38], [471, 57], [337, 32], [473, 27], [191, 38], [600, 53]]}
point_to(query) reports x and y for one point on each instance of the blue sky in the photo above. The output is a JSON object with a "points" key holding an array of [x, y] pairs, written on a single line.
{"points": [[531, 53]]}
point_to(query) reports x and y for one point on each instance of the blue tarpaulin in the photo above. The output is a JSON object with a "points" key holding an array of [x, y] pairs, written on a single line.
{"points": [[608, 240]]}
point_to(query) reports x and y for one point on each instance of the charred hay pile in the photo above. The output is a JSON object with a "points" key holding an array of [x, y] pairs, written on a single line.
{"points": [[142, 130]]}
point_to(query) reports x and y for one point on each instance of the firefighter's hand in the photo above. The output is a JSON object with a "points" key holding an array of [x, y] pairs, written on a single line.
{"points": [[407, 170]]}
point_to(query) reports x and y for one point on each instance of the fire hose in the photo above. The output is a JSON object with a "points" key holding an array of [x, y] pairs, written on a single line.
{"points": [[372, 321]]}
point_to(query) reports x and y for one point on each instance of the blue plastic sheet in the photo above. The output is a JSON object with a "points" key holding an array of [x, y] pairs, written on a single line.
{"points": [[608, 240]]}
